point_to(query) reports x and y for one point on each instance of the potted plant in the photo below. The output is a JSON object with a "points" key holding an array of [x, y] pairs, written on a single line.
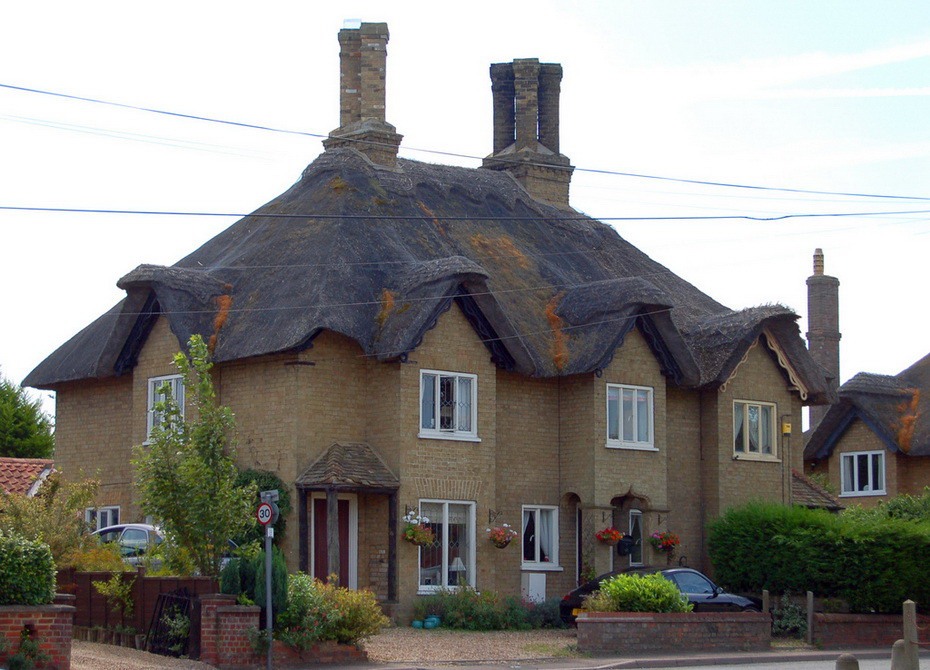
{"points": [[664, 542], [416, 531], [500, 536], [609, 535]]}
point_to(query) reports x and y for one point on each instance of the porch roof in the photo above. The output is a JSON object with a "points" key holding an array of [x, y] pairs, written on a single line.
{"points": [[354, 465]]}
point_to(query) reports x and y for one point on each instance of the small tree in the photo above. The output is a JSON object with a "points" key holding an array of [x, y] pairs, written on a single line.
{"points": [[54, 516], [25, 430], [187, 475]]}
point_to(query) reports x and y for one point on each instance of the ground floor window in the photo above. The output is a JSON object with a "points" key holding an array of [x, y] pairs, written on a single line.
{"points": [[449, 561], [540, 536], [101, 517], [863, 473]]}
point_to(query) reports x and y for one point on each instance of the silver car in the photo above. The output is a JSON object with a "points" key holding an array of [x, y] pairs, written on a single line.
{"points": [[134, 539]]}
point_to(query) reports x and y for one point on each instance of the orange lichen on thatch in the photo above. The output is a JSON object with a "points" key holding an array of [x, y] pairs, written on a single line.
{"points": [[907, 421], [559, 338], [500, 247], [338, 183], [387, 306], [431, 214], [223, 303]]}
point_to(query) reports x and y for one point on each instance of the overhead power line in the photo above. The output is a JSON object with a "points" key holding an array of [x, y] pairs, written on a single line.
{"points": [[618, 173], [377, 217]]}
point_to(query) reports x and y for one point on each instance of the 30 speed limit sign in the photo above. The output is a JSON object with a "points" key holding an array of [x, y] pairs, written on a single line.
{"points": [[265, 513]]}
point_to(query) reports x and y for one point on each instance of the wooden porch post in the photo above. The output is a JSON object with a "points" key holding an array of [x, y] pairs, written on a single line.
{"points": [[392, 547], [332, 532], [303, 530]]}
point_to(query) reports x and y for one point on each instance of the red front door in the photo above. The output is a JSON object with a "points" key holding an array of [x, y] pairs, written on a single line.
{"points": [[320, 544]]}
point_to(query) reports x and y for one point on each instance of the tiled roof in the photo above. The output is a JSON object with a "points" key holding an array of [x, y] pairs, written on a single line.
{"points": [[349, 466], [17, 475], [810, 494]]}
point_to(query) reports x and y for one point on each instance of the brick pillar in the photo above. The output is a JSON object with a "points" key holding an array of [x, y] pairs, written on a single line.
{"points": [[526, 101], [350, 101], [210, 631], [503, 95], [823, 323], [550, 84]]}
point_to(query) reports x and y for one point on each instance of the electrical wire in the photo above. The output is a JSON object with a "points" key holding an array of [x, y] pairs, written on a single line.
{"points": [[618, 173]]}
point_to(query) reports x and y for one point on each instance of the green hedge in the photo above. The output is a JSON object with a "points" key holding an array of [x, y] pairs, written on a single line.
{"points": [[874, 563], [27, 571]]}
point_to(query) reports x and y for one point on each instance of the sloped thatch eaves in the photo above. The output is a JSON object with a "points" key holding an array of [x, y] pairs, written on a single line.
{"points": [[893, 407], [377, 254], [348, 466]]}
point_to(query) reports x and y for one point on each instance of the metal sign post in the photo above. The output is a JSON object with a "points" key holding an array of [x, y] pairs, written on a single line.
{"points": [[267, 514]]}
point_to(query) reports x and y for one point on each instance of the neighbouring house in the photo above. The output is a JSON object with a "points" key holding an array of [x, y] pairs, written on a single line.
{"points": [[24, 476], [874, 443], [397, 336], [870, 445]]}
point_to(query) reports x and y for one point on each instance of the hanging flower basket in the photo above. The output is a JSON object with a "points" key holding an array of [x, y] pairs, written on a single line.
{"points": [[416, 532], [609, 536], [665, 542], [501, 536]]}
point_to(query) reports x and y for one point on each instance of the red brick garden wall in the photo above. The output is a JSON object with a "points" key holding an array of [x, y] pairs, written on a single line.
{"points": [[224, 640], [641, 632], [49, 625], [836, 631]]}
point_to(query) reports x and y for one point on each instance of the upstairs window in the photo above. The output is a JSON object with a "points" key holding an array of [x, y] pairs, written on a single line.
{"points": [[863, 473], [754, 429], [540, 537], [629, 417], [448, 405], [175, 385]]}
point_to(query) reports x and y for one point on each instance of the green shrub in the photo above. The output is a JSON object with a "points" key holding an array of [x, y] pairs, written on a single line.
{"points": [[279, 580], [317, 611], [230, 581], [27, 571], [792, 549], [265, 480], [467, 609], [544, 614], [789, 619], [637, 593]]}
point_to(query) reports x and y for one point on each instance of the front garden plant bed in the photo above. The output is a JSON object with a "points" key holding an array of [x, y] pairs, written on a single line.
{"points": [[631, 633]]}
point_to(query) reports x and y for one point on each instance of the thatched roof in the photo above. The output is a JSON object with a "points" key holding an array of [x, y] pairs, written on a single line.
{"points": [[893, 407], [378, 254]]}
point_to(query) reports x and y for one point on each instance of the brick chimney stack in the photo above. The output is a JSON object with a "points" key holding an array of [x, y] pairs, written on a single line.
{"points": [[362, 92], [526, 128], [823, 322]]}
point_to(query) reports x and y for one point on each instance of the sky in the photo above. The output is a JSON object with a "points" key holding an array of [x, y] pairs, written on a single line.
{"points": [[658, 98]]}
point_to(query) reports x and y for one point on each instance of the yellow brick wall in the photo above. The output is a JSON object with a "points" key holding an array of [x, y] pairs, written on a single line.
{"points": [[684, 472], [93, 429], [742, 478]]}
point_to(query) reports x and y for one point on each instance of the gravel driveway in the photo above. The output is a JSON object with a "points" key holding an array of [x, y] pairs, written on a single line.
{"points": [[393, 645]]}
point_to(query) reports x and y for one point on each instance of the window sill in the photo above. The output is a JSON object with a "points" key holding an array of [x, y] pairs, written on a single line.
{"points": [[541, 567], [454, 437], [863, 494], [758, 458], [631, 446]]}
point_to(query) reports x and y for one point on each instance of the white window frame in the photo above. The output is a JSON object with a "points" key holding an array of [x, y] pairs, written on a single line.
{"points": [[537, 511], [454, 433], [745, 453], [618, 442], [851, 489], [177, 391], [102, 517], [424, 589]]}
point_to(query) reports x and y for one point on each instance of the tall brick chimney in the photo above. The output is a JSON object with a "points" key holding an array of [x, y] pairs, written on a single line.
{"points": [[526, 128], [362, 61], [823, 323]]}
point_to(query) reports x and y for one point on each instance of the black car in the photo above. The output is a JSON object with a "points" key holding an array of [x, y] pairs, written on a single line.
{"points": [[700, 591]]}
